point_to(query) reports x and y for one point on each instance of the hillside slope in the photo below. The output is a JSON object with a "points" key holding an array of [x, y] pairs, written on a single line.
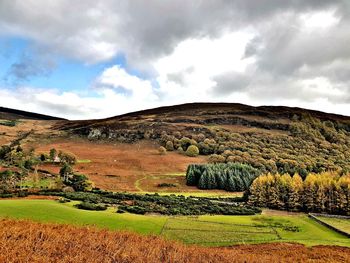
{"points": [[12, 114], [270, 138]]}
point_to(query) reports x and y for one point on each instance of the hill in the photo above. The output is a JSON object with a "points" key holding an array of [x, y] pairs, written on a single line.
{"points": [[12, 114], [270, 138]]}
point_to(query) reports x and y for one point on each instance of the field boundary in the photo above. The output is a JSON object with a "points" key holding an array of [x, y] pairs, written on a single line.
{"points": [[314, 217]]}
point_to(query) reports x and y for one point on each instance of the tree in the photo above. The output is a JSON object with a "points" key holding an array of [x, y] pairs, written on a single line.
{"points": [[53, 154], [192, 151], [295, 194], [79, 182], [66, 171]]}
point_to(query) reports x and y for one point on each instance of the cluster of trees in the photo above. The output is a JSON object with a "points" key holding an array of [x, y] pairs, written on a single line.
{"points": [[60, 157], [326, 192], [308, 145], [184, 145], [229, 176], [21, 163]]}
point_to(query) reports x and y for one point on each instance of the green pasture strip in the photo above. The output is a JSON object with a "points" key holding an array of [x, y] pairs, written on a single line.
{"points": [[342, 224], [52, 211], [248, 230]]}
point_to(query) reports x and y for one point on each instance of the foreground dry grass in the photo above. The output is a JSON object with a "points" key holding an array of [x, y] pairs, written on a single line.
{"points": [[24, 241]]}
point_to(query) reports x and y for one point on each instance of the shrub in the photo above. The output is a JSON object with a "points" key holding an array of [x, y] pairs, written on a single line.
{"points": [[169, 146], [162, 150], [91, 206], [192, 151], [67, 158], [180, 150], [216, 158], [63, 200], [185, 142]]}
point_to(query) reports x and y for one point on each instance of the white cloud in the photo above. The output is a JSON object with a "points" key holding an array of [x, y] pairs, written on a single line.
{"points": [[196, 62], [255, 52], [320, 20], [117, 78]]}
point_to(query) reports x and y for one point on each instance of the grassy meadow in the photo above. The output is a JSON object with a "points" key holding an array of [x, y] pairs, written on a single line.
{"points": [[342, 224], [202, 230]]}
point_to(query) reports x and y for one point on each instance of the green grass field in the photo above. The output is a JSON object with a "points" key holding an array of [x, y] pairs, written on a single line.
{"points": [[52, 211], [339, 223], [204, 230]]}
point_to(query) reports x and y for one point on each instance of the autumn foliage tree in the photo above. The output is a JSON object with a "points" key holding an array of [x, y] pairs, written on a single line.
{"points": [[326, 192]]}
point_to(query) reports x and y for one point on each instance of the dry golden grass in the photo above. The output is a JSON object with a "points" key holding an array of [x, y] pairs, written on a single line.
{"points": [[24, 241]]}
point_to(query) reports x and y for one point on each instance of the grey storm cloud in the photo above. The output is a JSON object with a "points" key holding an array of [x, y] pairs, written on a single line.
{"points": [[141, 29]]}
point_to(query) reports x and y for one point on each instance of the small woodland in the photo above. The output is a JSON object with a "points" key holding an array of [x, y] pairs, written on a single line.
{"points": [[18, 165], [327, 192], [233, 177]]}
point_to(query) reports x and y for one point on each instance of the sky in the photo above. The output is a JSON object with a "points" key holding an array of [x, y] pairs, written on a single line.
{"points": [[101, 58]]}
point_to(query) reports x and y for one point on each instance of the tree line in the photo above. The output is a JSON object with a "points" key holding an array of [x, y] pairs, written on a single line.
{"points": [[325, 192]]}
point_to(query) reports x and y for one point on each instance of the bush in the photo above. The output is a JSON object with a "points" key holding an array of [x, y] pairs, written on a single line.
{"points": [[185, 142], [67, 158], [169, 146], [91, 206], [162, 150], [63, 200], [216, 158], [192, 151], [180, 150]]}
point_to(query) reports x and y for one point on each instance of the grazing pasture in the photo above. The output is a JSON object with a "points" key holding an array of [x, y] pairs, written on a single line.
{"points": [[202, 230], [343, 224]]}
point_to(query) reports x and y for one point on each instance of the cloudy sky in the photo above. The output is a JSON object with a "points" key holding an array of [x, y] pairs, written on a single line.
{"points": [[100, 58]]}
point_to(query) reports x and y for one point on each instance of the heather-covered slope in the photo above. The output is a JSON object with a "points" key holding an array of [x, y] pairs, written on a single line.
{"points": [[270, 138], [12, 114]]}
